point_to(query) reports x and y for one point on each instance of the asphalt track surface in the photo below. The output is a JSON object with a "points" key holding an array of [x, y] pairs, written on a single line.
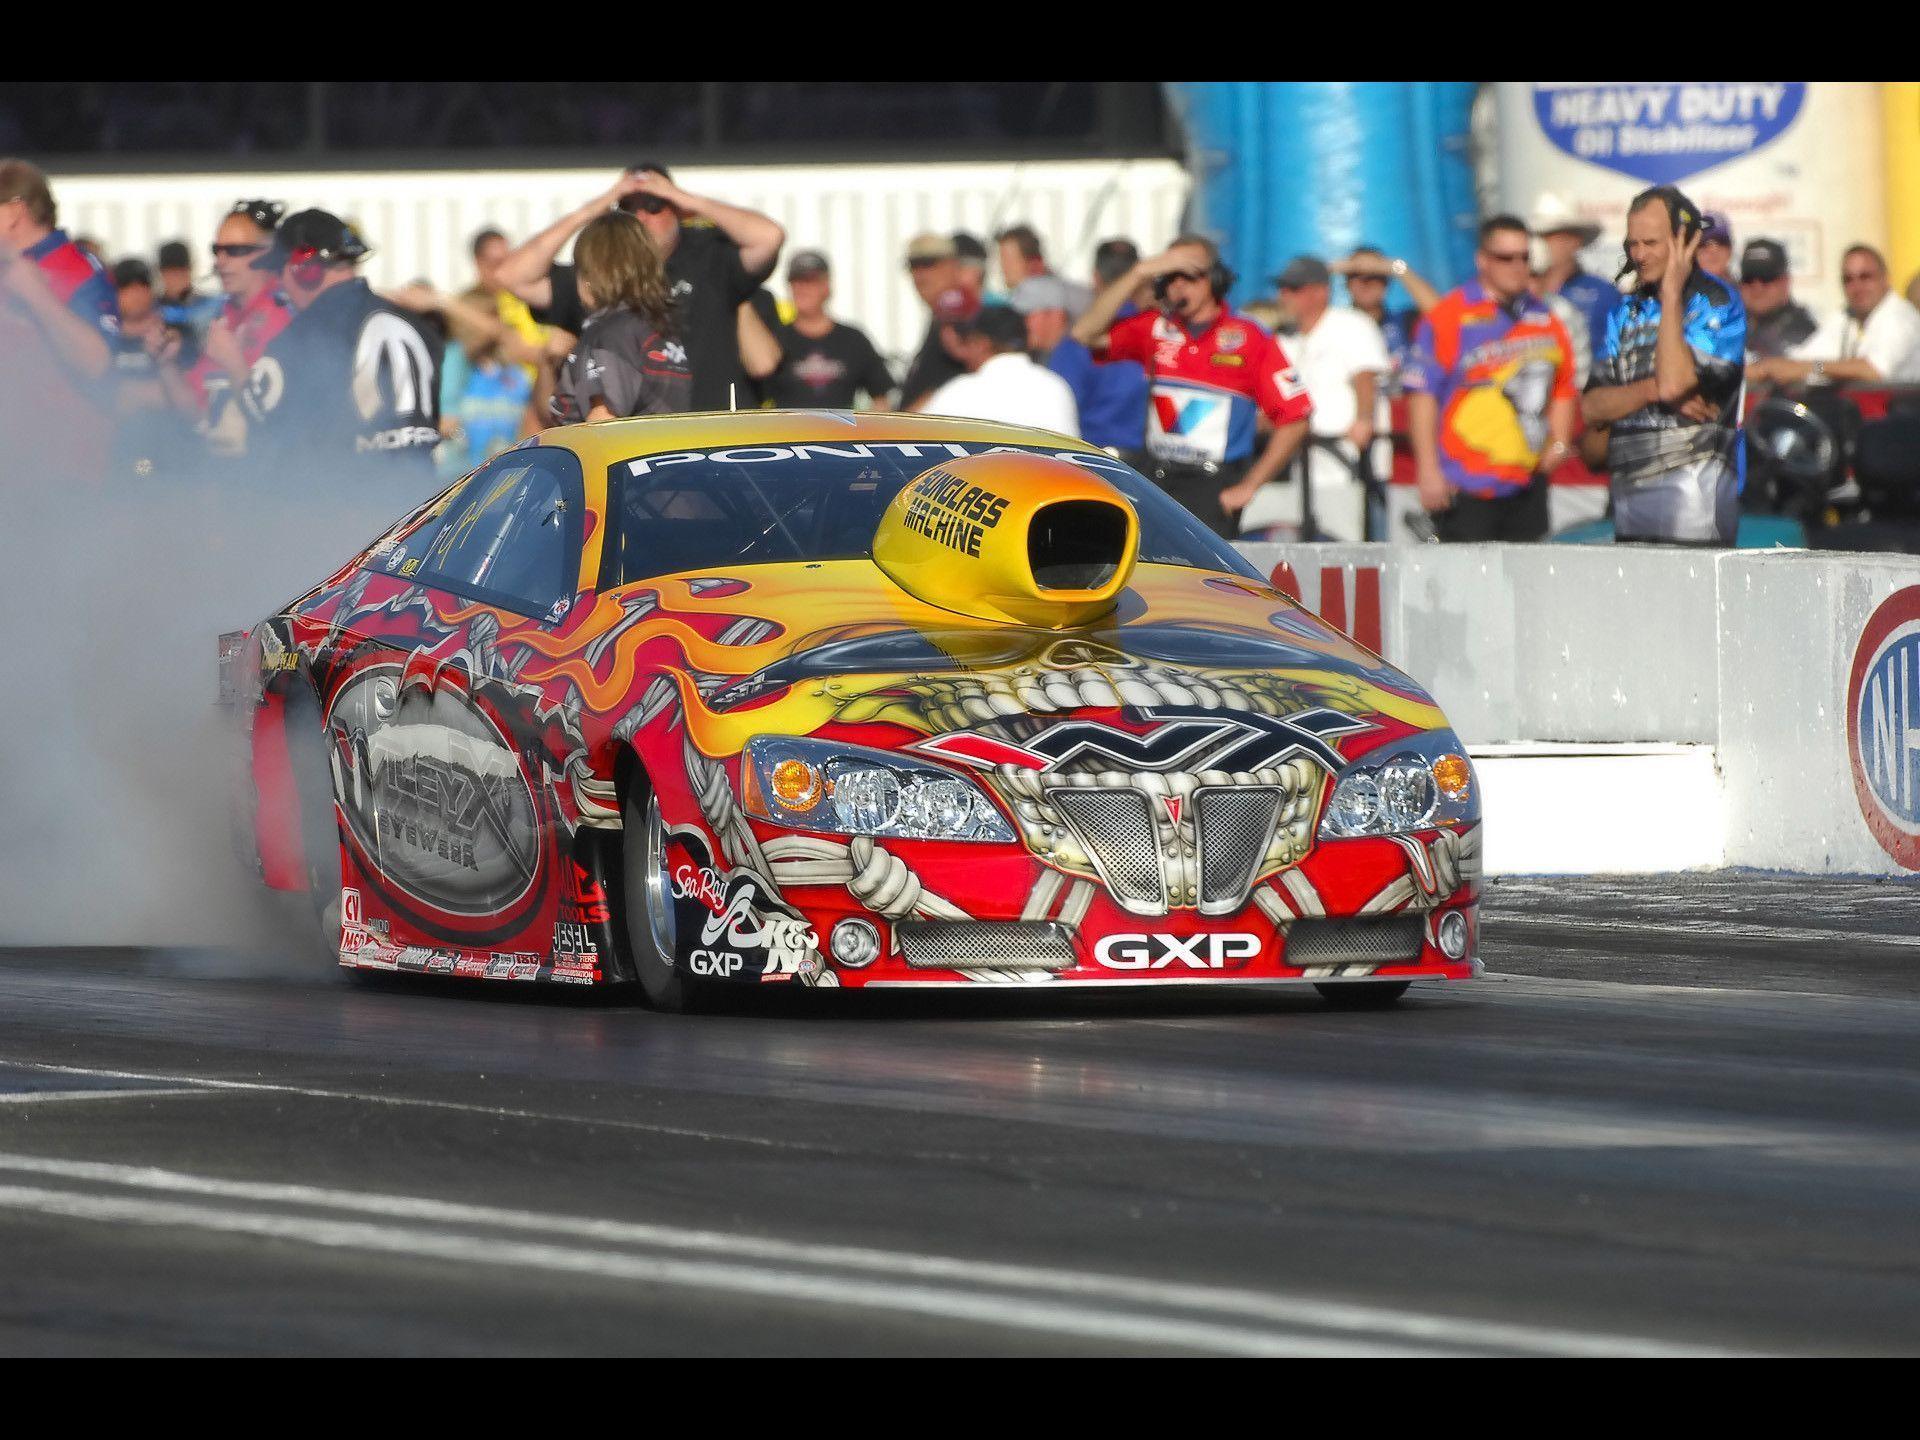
{"points": [[1677, 1116]]}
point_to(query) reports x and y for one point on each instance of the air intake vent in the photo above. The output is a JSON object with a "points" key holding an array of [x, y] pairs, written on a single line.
{"points": [[1076, 544], [1235, 824], [1116, 828], [1015, 945], [1364, 940]]}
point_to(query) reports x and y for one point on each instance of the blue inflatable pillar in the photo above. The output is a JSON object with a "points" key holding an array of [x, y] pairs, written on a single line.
{"points": [[1285, 169]]}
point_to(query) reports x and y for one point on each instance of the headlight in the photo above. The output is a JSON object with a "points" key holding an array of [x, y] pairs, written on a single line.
{"points": [[1423, 782], [850, 790]]}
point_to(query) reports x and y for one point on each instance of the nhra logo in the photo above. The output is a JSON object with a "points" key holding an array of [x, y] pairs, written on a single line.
{"points": [[1164, 952], [1883, 725]]}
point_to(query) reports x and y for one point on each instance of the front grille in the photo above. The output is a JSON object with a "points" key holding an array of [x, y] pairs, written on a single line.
{"points": [[1361, 940], [1017, 945], [1116, 828], [1234, 825]]}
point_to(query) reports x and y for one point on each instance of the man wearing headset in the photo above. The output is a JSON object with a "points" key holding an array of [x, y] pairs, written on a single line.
{"points": [[252, 312], [352, 384], [1209, 372], [1667, 382]]}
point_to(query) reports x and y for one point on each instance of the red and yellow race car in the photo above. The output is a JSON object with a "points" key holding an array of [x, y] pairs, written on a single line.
{"points": [[844, 700]]}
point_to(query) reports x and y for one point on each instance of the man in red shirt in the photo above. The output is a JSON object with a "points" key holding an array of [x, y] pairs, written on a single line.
{"points": [[1210, 373], [254, 313], [59, 321]]}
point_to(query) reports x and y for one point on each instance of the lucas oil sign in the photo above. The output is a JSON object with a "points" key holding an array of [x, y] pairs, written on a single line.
{"points": [[1664, 132], [1883, 725]]}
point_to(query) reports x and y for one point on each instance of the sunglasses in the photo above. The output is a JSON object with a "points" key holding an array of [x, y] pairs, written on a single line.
{"points": [[649, 204], [1515, 257], [1859, 277], [1161, 282], [236, 252]]}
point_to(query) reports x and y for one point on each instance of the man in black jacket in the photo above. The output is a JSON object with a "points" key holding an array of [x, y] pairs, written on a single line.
{"points": [[716, 256], [351, 386]]}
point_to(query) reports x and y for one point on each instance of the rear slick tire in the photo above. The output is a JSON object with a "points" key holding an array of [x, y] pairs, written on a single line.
{"points": [[650, 917], [309, 752], [1363, 994]]}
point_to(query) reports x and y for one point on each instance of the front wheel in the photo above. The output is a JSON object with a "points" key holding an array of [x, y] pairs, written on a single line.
{"points": [[1363, 994], [650, 916]]}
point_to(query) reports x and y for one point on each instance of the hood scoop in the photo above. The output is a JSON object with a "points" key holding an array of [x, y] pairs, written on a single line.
{"points": [[1017, 538]]}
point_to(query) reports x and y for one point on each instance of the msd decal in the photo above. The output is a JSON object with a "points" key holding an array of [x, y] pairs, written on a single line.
{"points": [[354, 935]]}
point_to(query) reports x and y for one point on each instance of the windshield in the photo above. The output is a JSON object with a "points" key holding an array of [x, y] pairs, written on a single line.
{"points": [[770, 504]]}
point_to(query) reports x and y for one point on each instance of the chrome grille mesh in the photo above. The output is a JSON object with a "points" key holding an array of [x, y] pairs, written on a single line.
{"points": [[1116, 827], [1028, 945], [1234, 827], [1363, 940]]}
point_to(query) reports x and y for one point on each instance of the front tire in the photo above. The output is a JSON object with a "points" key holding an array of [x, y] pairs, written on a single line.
{"points": [[650, 916], [1363, 995]]}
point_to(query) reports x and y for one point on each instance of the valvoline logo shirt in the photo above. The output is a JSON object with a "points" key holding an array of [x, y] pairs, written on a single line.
{"points": [[1204, 389], [1493, 370]]}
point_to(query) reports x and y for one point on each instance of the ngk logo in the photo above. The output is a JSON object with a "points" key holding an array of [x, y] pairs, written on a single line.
{"points": [[1189, 952]]}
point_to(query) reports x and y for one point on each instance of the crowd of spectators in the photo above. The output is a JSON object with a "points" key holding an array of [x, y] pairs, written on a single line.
{"points": [[1274, 420]]}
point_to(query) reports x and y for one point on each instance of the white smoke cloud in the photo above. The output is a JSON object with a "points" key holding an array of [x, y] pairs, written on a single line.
{"points": [[114, 755]]}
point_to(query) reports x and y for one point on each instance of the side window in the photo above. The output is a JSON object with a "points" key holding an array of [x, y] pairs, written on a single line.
{"points": [[511, 535]]}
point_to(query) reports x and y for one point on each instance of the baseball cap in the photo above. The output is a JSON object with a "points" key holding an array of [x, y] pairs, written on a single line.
{"points": [[970, 248], [1303, 270], [927, 248], [806, 264], [174, 255], [999, 323], [1763, 260], [131, 272], [1043, 292], [1552, 215], [1713, 226], [321, 234], [952, 305]]}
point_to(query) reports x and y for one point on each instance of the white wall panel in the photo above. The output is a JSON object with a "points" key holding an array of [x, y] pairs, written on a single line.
{"points": [[861, 215]]}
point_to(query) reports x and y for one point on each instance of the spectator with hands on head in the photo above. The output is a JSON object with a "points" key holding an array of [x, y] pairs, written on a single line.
{"points": [[712, 267]]}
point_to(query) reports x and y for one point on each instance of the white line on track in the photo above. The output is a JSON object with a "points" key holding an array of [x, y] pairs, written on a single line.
{"points": [[1710, 929], [41, 1097], [201, 1084], [1082, 1303]]}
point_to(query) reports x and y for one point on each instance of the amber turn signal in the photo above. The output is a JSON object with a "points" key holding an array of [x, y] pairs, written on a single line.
{"points": [[1454, 776], [797, 785]]}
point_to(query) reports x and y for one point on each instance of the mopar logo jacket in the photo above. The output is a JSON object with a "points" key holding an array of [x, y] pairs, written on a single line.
{"points": [[352, 383]]}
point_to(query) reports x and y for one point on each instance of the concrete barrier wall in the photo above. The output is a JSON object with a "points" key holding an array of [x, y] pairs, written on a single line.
{"points": [[1530, 642], [1748, 652], [1789, 630]]}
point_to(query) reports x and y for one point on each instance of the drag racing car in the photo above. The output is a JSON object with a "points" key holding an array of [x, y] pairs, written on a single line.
{"points": [[843, 700]]}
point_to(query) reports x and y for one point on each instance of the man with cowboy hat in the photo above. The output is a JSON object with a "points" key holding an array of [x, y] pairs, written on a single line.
{"points": [[1564, 235]]}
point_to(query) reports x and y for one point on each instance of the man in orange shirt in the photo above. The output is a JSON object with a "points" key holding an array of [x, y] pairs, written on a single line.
{"points": [[1492, 403]]}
